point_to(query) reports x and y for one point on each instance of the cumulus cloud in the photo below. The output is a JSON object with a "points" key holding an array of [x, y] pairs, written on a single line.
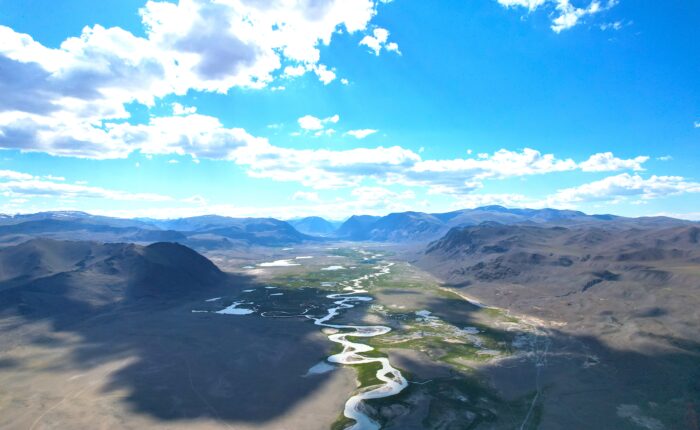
{"points": [[179, 109], [565, 14], [616, 25], [11, 174], [23, 185], [624, 186], [607, 162], [310, 122], [202, 136], [380, 40], [228, 43], [378, 200], [613, 189], [324, 74], [530, 4], [57, 100], [361, 133], [322, 168], [195, 135], [464, 175]]}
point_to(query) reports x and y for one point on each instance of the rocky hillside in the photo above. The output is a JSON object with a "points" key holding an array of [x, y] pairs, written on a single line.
{"points": [[204, 232], [423, 227], [44, 274]]}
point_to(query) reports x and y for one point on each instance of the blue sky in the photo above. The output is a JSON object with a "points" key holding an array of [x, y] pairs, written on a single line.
{"points": [[335, 107]]}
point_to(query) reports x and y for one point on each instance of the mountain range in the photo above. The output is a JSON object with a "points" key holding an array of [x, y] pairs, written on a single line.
{"points": [[315, 226], [210, 232], [203, 232], [574, 273], [421, 227]]}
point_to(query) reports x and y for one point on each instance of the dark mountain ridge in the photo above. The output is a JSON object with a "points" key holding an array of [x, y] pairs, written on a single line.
{"points": [[421, 227], [204, 232], [557, 256], [210, 232], [46, 272], [314, 225]]}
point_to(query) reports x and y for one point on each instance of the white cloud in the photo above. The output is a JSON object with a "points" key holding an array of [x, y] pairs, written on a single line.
{"points": [[362, 133], [322, 168], [617, 25], [196, 135], [530, 4], [324, 74], [228, 43], [696, 124], [201, 136], [11, 174], [463, 175], [294, 71], [566, 15], [376, 200], [310, 122], [607, 162], [665, 158], [325, 132], [24, 185], [379, 40], [56, 100], [179, 109], [624, 186]]}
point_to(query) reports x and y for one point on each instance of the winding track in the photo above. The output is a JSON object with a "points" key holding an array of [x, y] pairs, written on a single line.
{"points": [[393, 380]]}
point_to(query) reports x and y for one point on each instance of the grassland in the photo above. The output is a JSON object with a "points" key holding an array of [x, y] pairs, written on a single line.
{"points": [[440, 326]]}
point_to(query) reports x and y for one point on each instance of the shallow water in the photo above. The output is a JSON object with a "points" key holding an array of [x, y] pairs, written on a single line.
{"points": [[320, 368], [279, 263], [235, 310], [393, 380]]}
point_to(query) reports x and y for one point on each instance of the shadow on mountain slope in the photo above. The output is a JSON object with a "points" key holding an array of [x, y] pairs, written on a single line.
{"points": [[95, 305]]}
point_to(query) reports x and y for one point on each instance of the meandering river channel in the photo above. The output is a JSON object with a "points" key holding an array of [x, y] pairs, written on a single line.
{"points": [[393, 380]]}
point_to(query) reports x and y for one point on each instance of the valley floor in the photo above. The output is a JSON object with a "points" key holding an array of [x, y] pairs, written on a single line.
{"points": [[257, 365]]}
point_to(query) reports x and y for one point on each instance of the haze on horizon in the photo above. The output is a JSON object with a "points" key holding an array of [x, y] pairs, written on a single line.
{"points": [[333, 108]]}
